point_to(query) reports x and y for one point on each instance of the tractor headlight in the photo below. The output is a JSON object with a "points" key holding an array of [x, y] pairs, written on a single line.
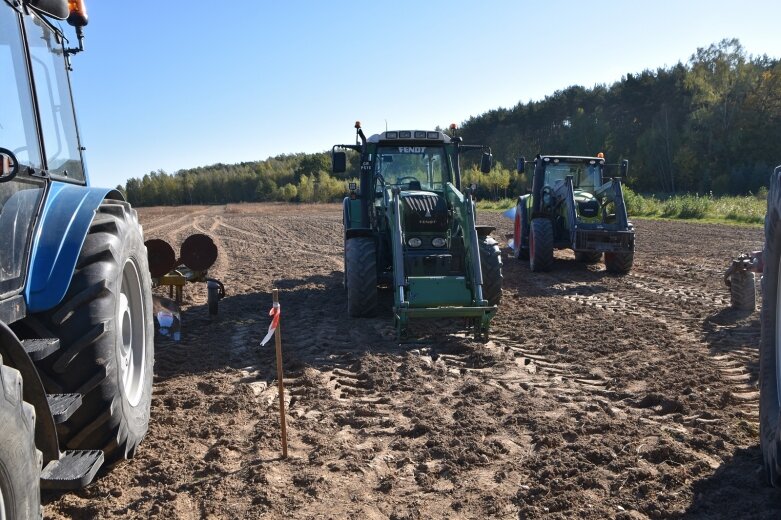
{"points": [[414, 242], [438, 242]]}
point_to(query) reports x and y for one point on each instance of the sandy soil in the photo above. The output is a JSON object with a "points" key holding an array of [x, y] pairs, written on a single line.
{"points": [[597, 396]]}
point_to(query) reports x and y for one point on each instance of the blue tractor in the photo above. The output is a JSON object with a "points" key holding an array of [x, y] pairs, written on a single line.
{"points": [[76, 330]]}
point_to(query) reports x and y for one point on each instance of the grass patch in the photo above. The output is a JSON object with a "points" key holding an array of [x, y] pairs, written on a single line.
{"points": [[746, 209], [496, 205]]}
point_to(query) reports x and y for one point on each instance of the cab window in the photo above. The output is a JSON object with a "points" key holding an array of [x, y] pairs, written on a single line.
{"points": [[58, 122]]}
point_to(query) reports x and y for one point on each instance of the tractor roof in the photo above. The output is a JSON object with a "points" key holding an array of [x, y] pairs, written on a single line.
{"points": [[433, 136], [572, 158]]}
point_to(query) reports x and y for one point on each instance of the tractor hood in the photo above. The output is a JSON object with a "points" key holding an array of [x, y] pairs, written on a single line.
{"points": [[423, 211]]}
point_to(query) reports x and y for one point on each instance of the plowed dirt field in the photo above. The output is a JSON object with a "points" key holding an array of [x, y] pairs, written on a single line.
{"points": [[597, 397]]}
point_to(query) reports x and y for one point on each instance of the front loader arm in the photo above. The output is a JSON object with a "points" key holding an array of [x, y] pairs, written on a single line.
{"points": [[397, 247], [464, 214], [566, 193]]}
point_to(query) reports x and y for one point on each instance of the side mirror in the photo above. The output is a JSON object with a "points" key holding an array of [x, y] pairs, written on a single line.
{"points": [[485, 163], [9, 165], [521, 164], [624, 167], [339, 162]]}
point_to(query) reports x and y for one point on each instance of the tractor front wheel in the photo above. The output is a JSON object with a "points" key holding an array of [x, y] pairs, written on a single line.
{"points": [[491, 266], [619, 263], [20, 461], [104, 323], [588, 257], [541, 245], [360, 264], [770, 343]]}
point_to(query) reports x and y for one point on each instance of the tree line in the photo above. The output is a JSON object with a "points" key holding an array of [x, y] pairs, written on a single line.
{"points": [[710, 125]]}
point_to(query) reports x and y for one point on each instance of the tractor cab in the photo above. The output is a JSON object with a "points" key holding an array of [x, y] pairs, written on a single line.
{"points": [[418, 171]]}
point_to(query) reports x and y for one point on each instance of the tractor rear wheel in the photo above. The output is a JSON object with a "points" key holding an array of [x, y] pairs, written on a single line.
{"points": [[541, 245], [619, 263], [20, 461], [520, 232], [770, 343], [588, 257], [104, 323], [491, 266], [361, 273]]}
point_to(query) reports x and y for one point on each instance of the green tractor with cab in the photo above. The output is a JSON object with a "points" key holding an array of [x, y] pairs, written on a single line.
{"points": [[409, 226], [574, 205]]}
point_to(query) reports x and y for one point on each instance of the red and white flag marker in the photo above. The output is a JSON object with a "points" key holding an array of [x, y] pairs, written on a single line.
{"points": [[272, 328], [275, 331]]}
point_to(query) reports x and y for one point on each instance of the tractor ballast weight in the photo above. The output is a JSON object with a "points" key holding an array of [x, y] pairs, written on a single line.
{"points": [[409, 226], [574, 205], [76, 333]]}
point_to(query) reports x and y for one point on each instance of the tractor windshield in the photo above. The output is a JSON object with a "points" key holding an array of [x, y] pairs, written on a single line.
{"points": [[586, 177], [413, 167]]}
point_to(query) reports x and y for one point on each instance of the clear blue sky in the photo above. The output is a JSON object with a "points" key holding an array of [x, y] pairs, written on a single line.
{"points": [[174, 84]]}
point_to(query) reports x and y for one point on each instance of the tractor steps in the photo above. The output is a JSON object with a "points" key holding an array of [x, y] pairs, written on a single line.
{"points": [[38, 349], [74, 470], [62, 406]]}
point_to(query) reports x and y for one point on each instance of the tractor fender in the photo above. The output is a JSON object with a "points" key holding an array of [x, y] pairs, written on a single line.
{"points": [[351, 214], [59, 236], [15, 356]]}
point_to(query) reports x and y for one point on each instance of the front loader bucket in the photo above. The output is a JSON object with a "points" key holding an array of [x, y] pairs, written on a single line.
{"points": [[443, 297]]}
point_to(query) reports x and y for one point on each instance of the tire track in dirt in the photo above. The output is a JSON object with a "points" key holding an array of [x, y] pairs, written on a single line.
{"points": [[189, 215], [686, 324]]}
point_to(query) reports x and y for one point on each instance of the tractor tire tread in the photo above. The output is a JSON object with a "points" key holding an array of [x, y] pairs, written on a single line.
{"points": [[20, 460], [541, 255], [88, 361], [769, 409], [361, 274], [619, 263]]}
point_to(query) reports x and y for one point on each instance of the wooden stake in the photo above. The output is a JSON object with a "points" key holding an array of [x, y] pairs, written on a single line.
{"points": [[280, 377]]}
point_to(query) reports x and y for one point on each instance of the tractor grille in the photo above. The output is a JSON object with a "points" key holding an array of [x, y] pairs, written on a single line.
{"points": [[424, 212]]}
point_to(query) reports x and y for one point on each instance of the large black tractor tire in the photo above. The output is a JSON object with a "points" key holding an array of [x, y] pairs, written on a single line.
{"points": [[361, 273], [770, 342], [619, 263], [20, 461], [521, 233], [491, 267], [106, 334], [541, 245], [588, 257]]}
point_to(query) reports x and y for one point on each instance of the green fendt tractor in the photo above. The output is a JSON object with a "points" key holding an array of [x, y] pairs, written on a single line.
{"points": [[409, 226], [573, 205]]}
